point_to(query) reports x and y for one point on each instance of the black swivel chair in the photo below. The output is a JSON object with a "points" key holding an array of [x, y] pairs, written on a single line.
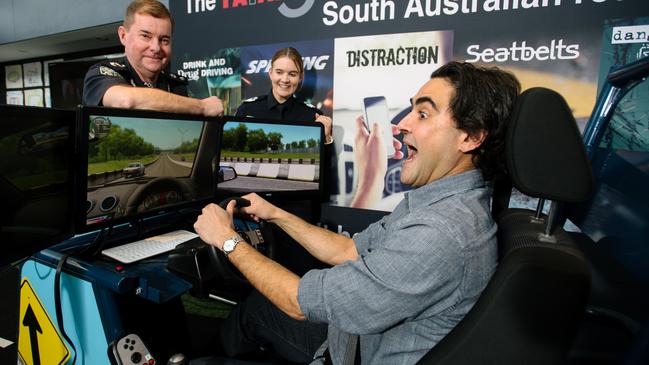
{"points": [[532, 306]]}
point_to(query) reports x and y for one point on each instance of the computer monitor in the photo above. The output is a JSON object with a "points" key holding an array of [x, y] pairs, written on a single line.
{"points": [[136, 164], [276, 159], [36, 179]]}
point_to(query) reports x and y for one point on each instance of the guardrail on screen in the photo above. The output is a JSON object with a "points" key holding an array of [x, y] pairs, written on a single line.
{"points": [[274, 168]]}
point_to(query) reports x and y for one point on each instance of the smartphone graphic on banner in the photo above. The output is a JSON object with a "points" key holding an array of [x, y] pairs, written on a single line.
{"points": [[375, 110]]}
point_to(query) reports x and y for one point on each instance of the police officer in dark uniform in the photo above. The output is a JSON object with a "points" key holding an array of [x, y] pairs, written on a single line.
{"points": [[101, 76], [141, 80]]}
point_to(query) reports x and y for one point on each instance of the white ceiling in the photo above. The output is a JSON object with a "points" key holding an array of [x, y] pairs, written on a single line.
{"points": [[82, 40]]}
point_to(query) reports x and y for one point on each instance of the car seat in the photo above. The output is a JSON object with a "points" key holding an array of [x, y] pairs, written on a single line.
{"points": [[531, 308]]}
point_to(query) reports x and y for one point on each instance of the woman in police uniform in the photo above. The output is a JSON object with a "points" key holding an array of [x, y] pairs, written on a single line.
{"points": [[286, 75]]}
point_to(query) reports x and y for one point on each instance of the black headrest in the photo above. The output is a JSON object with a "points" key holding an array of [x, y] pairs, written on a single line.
{"points": [[544, 150]]}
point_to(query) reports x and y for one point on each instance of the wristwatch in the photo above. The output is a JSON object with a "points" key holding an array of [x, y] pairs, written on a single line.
{"points": [[230, 244]]}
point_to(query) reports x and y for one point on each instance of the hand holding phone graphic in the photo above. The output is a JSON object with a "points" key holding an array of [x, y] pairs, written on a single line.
{"points": [[375, 110]]}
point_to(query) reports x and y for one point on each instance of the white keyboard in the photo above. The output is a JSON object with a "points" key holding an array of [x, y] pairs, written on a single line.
{"points": [[142, 249]]}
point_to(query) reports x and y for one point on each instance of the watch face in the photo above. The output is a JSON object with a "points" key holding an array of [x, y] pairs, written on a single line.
{"points": [[230, 244]]}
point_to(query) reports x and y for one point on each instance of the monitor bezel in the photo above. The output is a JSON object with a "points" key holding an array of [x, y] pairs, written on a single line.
{"points": [[83, 114], [288, 195]]}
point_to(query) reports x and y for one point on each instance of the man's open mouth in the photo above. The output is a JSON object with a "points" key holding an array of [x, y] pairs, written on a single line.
{"points": [[412, 151]]}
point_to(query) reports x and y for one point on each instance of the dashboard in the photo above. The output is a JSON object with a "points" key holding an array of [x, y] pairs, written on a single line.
{"points": [[123, 198]]}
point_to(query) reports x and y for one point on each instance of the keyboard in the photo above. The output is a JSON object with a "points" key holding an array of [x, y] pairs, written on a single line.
{"points": [[148, 247]]}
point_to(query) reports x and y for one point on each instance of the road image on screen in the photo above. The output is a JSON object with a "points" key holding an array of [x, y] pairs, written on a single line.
{"points": [[137, 165], [270, 157]]}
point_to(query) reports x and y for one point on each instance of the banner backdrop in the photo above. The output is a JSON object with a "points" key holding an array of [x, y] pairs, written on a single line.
{"points": [[624, 41], [386, 49], [391, 67], [318, 71]]}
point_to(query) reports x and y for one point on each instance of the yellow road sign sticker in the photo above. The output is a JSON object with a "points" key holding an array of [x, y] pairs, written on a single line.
{"points": [[39, 342]]}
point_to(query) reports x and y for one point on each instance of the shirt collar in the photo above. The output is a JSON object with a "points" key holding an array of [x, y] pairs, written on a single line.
{"points": [[273, 103], [442, 188], [136, 80]]}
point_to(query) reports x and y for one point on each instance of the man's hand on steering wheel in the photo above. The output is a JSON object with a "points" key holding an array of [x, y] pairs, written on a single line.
{"points": [[259, 209], [214, 225]]}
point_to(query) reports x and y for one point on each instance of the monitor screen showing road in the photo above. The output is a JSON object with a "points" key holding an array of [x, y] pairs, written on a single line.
{"points": [[270, 157], [138, 164]]}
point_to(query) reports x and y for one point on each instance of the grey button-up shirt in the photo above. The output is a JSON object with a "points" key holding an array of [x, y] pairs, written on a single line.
{"points": [[419, 271]]}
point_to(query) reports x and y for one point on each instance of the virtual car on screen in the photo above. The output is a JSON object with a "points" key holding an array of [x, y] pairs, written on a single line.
{"points": [[133, 169]]}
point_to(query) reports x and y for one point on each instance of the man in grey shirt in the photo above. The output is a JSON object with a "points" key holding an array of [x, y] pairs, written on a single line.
{"points": [[396, 288]]}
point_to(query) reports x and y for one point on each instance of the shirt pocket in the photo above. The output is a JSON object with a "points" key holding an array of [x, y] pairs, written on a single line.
{"points": [[376, 236]]}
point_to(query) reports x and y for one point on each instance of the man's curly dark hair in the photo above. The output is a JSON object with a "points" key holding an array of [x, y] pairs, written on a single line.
{"points": [[483, 101]]}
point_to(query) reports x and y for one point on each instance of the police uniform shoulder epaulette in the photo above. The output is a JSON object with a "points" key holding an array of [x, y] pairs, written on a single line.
{"points": [[115, 65], [254, 98], [310, 106]]}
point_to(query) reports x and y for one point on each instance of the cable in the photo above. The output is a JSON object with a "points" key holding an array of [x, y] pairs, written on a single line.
{"points": [[57, 302], [95, 247], [88, 251]]}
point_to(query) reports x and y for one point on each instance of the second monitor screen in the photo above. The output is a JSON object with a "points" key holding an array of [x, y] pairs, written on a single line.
{"points": [[267, 157]]}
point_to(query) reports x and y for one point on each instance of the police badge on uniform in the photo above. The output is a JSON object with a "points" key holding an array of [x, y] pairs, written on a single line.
{"points": [[107, 71]]}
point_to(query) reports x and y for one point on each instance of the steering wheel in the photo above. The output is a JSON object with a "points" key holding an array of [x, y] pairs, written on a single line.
{"points": [[227, 273], [157, 185]]}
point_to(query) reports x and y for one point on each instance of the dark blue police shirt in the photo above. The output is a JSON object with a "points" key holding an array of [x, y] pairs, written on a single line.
{"points": [[105, 74], [267, 106]]}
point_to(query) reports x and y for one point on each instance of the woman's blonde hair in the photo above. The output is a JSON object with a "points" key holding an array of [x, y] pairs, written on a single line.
{"points": [[293, 55]]}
